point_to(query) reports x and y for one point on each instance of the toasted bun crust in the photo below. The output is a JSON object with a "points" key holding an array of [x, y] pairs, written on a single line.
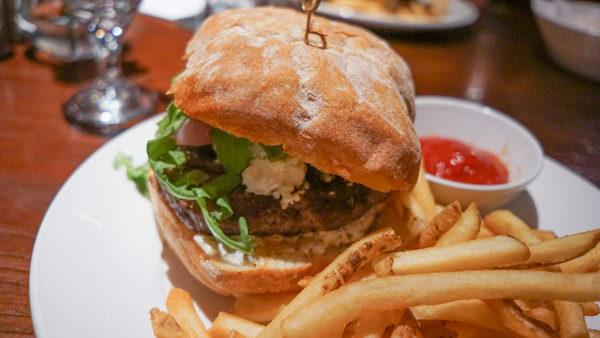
{"points": [[274, 274], [346, 109]]}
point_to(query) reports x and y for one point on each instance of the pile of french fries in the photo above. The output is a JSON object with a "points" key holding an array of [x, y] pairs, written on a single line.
{"points": [[428, 271]]}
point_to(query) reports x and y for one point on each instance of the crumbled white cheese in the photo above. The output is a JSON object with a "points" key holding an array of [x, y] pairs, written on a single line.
{"points": [[283, 179], [211, 247], [257, 151], [206, 245], [231, 256]]}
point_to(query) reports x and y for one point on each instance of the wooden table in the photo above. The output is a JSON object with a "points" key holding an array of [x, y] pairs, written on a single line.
{"points": [[499, 62]]}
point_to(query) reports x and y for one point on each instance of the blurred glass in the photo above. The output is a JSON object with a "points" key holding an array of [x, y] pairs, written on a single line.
{"points": [[111, 103], [52, 31], [5, 40]]}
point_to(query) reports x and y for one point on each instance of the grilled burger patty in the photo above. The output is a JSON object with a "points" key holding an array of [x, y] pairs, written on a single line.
{"points": [[324, 206]]}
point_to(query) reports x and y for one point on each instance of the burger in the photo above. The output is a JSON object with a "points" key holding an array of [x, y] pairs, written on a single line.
{"points": [[277, 154]]}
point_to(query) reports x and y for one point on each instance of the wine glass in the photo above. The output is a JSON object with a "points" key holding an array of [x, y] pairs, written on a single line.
{"points": [[111, 103]]}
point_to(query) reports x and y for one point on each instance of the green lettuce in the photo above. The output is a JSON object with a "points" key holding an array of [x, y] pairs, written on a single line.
{"points": [[167, 162], [234, 155], [136, 174]]}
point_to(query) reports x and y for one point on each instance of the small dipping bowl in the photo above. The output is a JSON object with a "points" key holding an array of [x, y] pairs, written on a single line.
{"points": [[571, 32], [483, 128]]}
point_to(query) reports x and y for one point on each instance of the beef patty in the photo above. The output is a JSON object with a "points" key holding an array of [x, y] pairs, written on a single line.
{"points": [[324, 205]]}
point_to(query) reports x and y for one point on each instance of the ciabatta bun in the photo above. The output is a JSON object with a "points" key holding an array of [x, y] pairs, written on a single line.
{"points": [[345, 109]]}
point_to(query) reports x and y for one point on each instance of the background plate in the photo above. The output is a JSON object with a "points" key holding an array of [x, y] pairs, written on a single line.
{"points": [[461, 13], [98, 264]]}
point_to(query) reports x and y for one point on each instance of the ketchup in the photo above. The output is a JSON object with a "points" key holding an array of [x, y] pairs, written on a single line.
{"points": [[456, 161]]}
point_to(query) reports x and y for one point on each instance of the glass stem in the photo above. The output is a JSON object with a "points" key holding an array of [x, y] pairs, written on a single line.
{"points": [[109, 67]]}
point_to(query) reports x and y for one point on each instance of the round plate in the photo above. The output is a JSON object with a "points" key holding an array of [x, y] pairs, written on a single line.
{"points": [[461, 13], [99, 266]]}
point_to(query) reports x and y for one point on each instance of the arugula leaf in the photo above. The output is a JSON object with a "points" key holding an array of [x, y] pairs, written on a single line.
{"points": [[138, 175], [224, 211], [222, 185], [244, 236], [158, 147], [274, 153], [233, 152], [171, 122], [177, 157], [245, 245], [180, 192], [193, 177]]}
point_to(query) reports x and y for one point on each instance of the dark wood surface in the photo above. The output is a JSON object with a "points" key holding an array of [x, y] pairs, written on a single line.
{"points": [[499, 62]]}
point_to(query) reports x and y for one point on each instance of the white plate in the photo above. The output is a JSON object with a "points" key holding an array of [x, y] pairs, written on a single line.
{"points": [[172, 10], [98, 265], [461, 13]]}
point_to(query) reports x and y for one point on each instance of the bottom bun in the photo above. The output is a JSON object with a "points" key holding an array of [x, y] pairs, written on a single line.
{"points": [[277, 264]]}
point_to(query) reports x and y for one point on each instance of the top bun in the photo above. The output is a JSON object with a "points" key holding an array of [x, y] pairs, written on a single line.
{"points": [[346, 109]]}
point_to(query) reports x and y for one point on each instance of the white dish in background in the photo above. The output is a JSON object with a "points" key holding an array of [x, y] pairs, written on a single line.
{"points": [[461, 13], [483, 128], [98, 264], [571, 32], [172, 10]]}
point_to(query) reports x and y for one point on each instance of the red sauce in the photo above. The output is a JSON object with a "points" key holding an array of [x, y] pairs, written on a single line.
{"points": [[456, 161]]}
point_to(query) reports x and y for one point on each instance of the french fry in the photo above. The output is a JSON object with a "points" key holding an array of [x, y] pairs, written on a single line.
{"points": [[571, 322], [181, 307], [336, 274], [419, 201], [350, 329], [504, 222], [261, 308], [529, 304], [339, 307], [435, 329], [235, 334], [594, 333], [364, 272], [373, 325], [562, 249], [390, 217], [473, 255], [407, 328], [412, 231], [465, 229], [590, 309], [545, 314], [513, 319], [305, 281], [440, 223], [471, 311], [544, 235], [484, 232], [586, 263], [165, 326], [225, 324], [464, 330]]}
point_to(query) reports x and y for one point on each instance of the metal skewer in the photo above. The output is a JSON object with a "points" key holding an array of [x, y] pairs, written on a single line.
{"points": [[309, 7]]}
